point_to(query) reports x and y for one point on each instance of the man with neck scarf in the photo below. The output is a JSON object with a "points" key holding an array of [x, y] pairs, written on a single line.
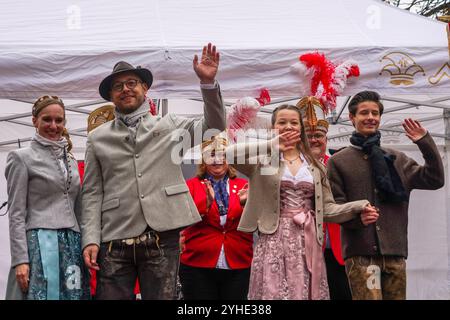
{"points": [[375, 254], [135, 200]]}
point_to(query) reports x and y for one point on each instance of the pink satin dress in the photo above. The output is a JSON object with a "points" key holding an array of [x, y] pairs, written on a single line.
{"points": [[289, 264]]}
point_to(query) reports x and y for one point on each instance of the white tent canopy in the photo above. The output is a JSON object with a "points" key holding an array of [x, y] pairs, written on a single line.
{"points": [[66, 49]]}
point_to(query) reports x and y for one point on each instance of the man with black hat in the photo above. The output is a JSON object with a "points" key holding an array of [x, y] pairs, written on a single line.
{"points": [[135, 200]]}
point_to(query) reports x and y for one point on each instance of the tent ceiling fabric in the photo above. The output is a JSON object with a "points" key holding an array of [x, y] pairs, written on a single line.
{"points": [[67, 49]]}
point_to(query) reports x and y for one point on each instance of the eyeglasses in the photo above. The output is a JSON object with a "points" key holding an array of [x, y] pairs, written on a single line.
{"points": [[214, 157], [130, 83], [317, 136]]}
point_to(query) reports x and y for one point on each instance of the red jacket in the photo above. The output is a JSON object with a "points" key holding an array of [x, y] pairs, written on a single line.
{"points": [[333, 230], [203, 240]]}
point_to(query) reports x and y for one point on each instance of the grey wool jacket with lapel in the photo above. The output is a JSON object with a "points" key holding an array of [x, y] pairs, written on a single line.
{"points": [[128, 187], [38, 196]]}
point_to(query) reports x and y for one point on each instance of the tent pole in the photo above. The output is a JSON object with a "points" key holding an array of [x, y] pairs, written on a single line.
{"points": [[71, 132], [336, 118], [226, 103], [164, 107], [73, 108], [446, 114], [405, 106], [382, 128], [18, 141], [416, 103]]}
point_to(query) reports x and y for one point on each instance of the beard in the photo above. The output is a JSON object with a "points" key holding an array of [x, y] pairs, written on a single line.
{"points": [[129, 107]]}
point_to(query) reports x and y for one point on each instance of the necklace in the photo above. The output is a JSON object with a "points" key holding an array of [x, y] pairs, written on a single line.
{"points": [[292, 160]]}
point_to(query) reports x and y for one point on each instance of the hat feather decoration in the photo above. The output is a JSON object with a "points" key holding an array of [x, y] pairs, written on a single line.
{"points": [[244, 112], [153, 109], [324, 79]]}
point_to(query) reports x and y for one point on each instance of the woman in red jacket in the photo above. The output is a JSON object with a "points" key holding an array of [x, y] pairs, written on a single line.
{"points": [[216, 258]]}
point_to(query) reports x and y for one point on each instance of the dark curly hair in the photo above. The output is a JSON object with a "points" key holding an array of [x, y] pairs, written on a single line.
{"points": [[362, 97]]}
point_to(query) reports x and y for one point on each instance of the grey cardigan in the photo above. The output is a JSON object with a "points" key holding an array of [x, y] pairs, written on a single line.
{"points": [[37, 196], [262, 210]]}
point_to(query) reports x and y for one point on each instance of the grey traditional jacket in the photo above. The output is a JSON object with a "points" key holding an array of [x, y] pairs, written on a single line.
{"points": [[39, 195], [128, 186], [262, 210]]}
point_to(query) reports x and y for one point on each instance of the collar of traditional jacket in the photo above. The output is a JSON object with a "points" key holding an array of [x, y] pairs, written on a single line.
{"points": [[57, 146], [356, 147], [131, 119]]}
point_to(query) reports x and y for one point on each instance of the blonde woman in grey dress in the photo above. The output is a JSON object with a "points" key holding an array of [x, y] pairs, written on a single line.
{"points": [[44, 206]]}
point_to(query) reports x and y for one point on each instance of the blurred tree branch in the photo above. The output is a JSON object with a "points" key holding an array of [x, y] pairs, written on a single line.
{"points": [[427, 8]]}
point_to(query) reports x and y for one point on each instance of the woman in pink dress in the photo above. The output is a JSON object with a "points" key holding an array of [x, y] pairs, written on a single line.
{"points": [[287, 203]]}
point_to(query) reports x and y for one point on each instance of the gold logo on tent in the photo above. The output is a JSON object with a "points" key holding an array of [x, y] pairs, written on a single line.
{"points": [[100, 116], [444, 71], [401, 67]]}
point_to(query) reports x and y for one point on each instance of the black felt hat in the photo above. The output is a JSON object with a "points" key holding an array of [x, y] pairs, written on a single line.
{"points": [[121, 67]]}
